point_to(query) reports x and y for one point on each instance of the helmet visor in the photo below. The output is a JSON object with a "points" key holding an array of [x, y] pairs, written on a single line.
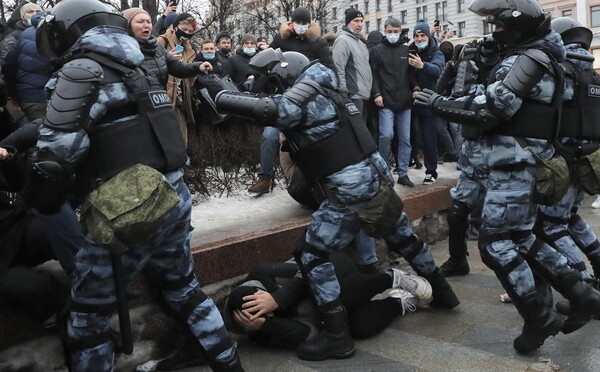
{"points": [[50, 37], [264, 61]]}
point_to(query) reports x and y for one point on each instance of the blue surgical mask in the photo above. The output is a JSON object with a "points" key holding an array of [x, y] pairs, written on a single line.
{"points": [[300, 29], [208, 56], [250, 51], [392, 38], [422, 45]]}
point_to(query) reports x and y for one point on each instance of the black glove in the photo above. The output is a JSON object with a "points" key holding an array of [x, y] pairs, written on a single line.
{"points": [[469, 51], [428, 98], [48, 184], [248, 84], [213, 86], [489, 52]]}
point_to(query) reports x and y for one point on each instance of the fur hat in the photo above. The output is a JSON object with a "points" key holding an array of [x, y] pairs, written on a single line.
{"points": [[301, 15], [248, 37], [352, 13], [422, 27], [128, 14], [27, 7]]}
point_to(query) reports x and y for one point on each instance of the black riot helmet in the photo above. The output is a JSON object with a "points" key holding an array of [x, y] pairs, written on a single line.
{"points": [[70, 19], [281, 69], [572, 31], [521, 20]]}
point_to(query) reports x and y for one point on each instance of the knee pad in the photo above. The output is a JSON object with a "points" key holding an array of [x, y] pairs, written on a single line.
{"points": [[458, 213]]}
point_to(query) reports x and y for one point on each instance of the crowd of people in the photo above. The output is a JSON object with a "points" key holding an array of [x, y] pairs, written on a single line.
{"points": [[96, 111]]}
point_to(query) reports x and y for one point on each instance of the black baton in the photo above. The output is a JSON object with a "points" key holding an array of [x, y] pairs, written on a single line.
{"points": [[122, 305]]}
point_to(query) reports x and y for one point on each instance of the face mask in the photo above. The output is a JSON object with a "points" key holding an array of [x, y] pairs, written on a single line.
{"points": [[28, 21], [250, 51], [422, 45], [182, 35], [392, 38], [300, 29], [208, 56]]}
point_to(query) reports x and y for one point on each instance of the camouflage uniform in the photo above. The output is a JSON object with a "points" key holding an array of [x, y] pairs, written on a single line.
{"points": [[166, 256], [336, 223], [506, 171], [559, 225]]}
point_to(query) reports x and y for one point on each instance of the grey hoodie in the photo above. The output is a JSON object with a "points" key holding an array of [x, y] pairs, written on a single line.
{"points": [[351, 57]]}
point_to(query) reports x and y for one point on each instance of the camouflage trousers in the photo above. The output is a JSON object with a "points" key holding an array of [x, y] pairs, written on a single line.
{"points": [[166, 257], [334, 226], [506, 242], [567, 232]]}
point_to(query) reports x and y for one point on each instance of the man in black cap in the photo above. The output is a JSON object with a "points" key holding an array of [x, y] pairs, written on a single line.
{"points": [[351, 57], [303, 36], [223, 43]]}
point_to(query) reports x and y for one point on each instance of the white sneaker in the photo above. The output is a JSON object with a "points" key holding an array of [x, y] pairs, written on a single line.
{"points": [[407, 300], [416, 285], [596, 203]]}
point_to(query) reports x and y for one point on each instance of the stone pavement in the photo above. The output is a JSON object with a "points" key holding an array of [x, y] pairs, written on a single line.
{"points": [[475, 336]]}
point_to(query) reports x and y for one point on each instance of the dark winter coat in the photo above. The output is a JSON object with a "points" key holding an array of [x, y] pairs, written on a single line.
{"points": [[216, 64], [8, 43], [158, 61], [26, 72], [392, 77], [238, 67], [311, 44], [433, 60]]}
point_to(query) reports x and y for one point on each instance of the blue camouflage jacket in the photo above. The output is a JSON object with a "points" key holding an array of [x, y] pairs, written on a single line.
{"points": [[353, 184], [116, 44]]}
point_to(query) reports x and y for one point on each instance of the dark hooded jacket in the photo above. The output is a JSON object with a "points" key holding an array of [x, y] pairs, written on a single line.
{"points": [[311, 44], [393, 79], [238, 67], [433, 60]]}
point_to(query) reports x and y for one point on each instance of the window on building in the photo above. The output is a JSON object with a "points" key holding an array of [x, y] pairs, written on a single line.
{"points": [[366, 7], [367, 26], [390, 8], [379, 24], [334, 12], [438, 11], [444, 7], [567, 13], [403, 16], [460, 6], [462, 29], [424, 13], [419, 13], [595, 15], [377, 5]]}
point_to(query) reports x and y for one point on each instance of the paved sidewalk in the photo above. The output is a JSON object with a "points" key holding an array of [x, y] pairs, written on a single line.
{"points": [[475, 336]]}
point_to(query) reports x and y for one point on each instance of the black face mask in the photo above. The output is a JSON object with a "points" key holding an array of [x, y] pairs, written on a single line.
{"points": [[182, 35]]}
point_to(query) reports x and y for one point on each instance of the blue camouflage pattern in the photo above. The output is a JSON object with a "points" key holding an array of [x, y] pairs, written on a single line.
{"points": [[574, 233], [506, 171], [335, 223], [166, 256]]}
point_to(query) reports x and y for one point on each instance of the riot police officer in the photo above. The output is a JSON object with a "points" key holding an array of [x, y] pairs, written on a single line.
{"points": [[516, 115], [105, 115], [329, 142]]}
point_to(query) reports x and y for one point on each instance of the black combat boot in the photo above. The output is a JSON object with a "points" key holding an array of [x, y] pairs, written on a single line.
{"points": [[458, 224], [595, 262], [585, 304], [541, 322], [333, 341], [233, 364], [443, 295]]}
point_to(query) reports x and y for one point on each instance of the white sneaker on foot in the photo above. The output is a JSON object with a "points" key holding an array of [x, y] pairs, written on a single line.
{"points": [[407, 300], [416, 285], [596, 203]]}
